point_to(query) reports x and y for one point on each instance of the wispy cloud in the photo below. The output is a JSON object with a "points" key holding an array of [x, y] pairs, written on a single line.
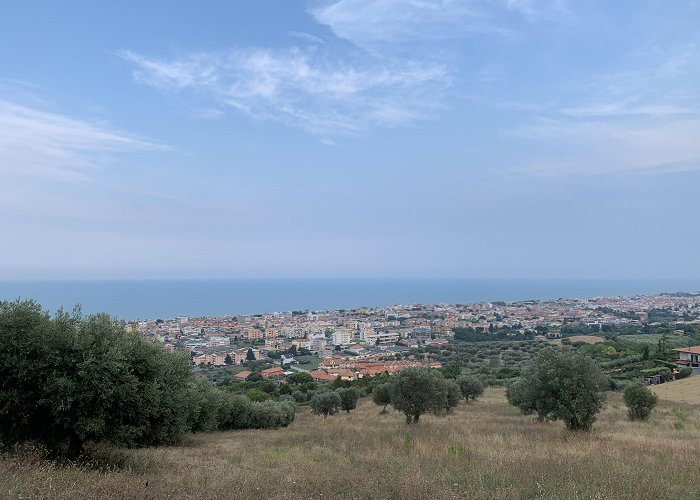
{"points": [[367, 22], [50, 145], [604, 147], [302, 87]]}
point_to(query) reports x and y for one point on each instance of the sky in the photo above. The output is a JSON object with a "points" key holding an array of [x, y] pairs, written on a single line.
{"points": [[350, 138]]}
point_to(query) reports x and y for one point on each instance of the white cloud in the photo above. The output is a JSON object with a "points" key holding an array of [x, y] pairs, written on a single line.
{"points": [[368, 22], [302, 87], [364, 22], [37, 143]]}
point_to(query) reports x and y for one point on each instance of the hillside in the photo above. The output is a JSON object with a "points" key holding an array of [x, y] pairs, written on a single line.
{"points": [[485, 450], [686, 390]]}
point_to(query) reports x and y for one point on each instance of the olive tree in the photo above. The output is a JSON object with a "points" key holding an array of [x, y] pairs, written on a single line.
{"points": [[561, 385], [381, 395], [326, 403], [348, 398], [471, 387], [418, 390], [69, 379]]}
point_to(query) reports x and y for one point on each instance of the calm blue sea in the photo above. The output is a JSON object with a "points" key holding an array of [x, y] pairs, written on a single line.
{"points": [[150, 299]]}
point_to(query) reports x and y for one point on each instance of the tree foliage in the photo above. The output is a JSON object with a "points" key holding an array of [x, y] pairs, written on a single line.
{"points": [[470, 386], [561, 385], [326, 403], [71, 379], [381, 395], [418, 390], [640, 401], [348, 398]]}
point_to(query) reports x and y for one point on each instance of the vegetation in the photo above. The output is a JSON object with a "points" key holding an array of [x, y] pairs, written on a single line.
{"points": [[348, 398], [471, 387], [68, 380], [382, 396], [561, 385], [326, 403], [418, 390], [640, 401], [483, 450]]}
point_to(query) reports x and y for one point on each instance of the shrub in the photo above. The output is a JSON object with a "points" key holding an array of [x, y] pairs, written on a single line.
{"points": [[326, 403], [640, 401], [70, 379], [685, 372], [471, 387]]}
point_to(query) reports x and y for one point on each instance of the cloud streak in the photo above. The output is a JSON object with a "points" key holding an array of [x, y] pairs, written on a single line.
{"points": [[54, 146], [302, 87]]}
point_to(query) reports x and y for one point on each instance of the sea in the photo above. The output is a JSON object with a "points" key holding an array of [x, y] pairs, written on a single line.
{"points": [[168, 298]]}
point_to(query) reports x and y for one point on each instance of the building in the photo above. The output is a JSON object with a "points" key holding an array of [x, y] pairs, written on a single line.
{"points": [[380, 337], [275, 372], [689, 357], [342, 337]]}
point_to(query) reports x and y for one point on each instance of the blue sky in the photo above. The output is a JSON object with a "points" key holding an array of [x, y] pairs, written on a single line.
{"points": [[350, 138]]}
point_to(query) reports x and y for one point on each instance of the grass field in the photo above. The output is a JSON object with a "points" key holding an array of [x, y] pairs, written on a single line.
{"points": [[686, 390], [485, 450]]}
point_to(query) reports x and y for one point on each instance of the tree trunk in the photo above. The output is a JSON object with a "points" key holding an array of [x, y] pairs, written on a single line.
{"points": [[75, 447]]}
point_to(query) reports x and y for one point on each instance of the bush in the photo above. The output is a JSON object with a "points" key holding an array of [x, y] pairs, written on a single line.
{"points": [[68, 379], [325, 403], [640, 402], [471, 387], [685, 372], [560, 385]]}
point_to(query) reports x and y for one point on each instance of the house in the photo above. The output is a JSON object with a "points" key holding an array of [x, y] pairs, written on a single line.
{"points": [[242, 376], [321, 375], [689, 357], [275, 372]]}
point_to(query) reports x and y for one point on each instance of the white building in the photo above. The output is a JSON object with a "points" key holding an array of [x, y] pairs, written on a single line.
{"points": [[342, 337]]}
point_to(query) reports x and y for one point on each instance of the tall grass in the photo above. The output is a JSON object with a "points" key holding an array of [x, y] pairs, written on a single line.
{"points": [[485, 449]]}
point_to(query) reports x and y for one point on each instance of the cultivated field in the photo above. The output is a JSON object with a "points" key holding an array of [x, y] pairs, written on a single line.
{"points": [[485, 450], [686, 390]]}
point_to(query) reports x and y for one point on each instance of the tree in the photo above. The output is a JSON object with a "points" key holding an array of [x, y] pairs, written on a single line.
{"points": [[250, 355], [470, 386], [418, 390], [326, 403], [299, 378], [257, 395], [228, 360], [381, 395], [348, 398], [293, 350], [454, 395], [560, 385], [452, 370], [68, 379], [640, 401]]}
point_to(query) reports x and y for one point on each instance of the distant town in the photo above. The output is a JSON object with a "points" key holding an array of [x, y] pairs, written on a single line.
{"points": [[367, 341]]}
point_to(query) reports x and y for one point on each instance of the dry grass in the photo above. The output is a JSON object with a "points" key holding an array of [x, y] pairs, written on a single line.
{"points": [[686, 390], [485, 450]]}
